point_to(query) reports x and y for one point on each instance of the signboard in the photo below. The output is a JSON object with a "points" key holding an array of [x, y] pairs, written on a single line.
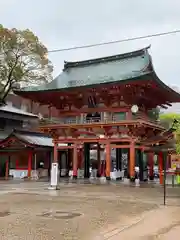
{"points": [[54, 174], [175, 161]]}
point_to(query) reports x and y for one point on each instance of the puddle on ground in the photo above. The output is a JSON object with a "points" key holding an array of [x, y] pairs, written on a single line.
{"points": [[24, 193], [60, 215], [4, 214]]}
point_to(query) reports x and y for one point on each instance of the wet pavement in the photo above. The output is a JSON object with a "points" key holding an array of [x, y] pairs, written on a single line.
{"points": [[86, 210]]}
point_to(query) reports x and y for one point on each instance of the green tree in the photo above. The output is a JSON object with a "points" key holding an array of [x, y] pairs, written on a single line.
{"points": [[23, 61], [167, 119], [169, 116], [176, 127], [178, 141], [172, 120]]}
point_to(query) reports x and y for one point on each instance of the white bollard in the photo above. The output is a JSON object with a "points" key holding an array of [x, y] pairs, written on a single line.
{"points": [[54, 176]]}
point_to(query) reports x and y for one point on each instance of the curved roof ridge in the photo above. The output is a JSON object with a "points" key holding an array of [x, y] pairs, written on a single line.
{"points": [[131, 54]]}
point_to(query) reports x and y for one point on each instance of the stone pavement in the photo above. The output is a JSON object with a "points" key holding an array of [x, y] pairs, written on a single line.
{"points": [[162, 223], [87, 211]]}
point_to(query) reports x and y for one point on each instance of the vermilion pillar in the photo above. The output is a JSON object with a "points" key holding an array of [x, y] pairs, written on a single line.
{"points": [[55, 159], [99, 160], [80, 157], [75, 161], [132, 162], [160, 164], [151, 165], [30, 154], [7, 169], [108, 161]]}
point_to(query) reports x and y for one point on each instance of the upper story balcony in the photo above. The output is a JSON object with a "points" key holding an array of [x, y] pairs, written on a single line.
{"points": [[108, 118]]}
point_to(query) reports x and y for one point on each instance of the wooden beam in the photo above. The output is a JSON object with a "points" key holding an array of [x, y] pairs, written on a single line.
{"points": [[92, 140], [168, 104], [120, 146], [79, 111], [115, 88], [65, 147], [160, 98], [124, 146]]}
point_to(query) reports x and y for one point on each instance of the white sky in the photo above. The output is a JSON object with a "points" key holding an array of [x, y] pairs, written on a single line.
{"points": [[67, 23]]}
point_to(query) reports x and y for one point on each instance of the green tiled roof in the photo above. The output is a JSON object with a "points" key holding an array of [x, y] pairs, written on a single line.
{"points": [[101, 70]]}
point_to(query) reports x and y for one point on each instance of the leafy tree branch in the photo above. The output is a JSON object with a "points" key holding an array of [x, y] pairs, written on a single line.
{"points": [[23, 61], [170, 119]]}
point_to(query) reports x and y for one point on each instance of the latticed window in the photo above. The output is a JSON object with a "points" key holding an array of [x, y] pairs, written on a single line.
{"points": [[70, 120], [119, 116]]}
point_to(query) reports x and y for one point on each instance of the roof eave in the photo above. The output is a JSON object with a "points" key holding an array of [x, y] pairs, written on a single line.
{"points": [[146, 74], [22, 115], [171, 91]]}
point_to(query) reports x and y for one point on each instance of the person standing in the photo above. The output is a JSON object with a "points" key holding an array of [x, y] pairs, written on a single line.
{"points": [[40, 169]]}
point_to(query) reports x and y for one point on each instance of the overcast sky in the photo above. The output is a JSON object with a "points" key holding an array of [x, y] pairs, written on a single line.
{"points": [[67, 23]]}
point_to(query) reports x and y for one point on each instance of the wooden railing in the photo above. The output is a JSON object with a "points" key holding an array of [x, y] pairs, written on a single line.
{"points": [[94, 121], [145, 118]]}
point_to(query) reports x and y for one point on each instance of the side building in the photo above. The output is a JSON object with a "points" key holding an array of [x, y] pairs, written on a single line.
{"points": [[31, 106], [21, 148]]}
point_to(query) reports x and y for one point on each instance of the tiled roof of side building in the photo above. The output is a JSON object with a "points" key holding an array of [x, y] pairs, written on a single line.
{"points": [[14, 110], [34, 138], [4, 134], [100, 70], [42, 141]]}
